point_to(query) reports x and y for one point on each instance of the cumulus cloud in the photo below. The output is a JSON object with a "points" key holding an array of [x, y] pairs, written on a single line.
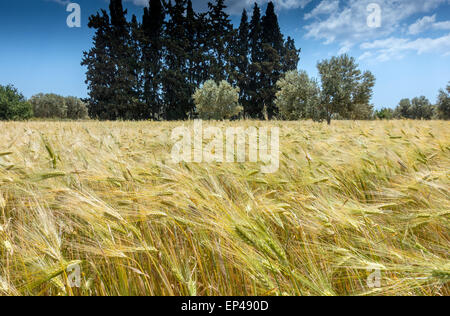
{"points": [[345, 22], [236, 6], [422, 24], [395, 48], [324, 7], [427, 23], [62, 2]]}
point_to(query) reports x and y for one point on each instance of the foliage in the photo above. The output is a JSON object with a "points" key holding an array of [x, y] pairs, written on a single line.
{"points": [[76, 109], [56, 106], [49, 106], [273, 52], [217, 101], [344, 86], [403, 110], [417, 109], [362, 111], [242, 61], [298, 96], [385, 114], [150, 69], [13, 105], [443, 105]]}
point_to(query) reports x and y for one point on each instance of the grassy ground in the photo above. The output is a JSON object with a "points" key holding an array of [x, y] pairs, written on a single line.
{"points": [[347, 199]]}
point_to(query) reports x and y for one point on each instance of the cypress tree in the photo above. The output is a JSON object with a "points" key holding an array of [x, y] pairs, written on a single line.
{"points": [[152, 63], [100, 68], [220, 36], [124, 101], [256, 105], [290, 56], [242, 60], [139, 110], [175, 87], [273, 47]]}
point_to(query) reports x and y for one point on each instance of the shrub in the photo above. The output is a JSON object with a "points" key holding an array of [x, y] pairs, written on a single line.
{"points": [[443, 105], [362, 111], [49, 106], [56, 106], [76, 109], [13, 105], [385, 114], [298, 96], [217, 101]]}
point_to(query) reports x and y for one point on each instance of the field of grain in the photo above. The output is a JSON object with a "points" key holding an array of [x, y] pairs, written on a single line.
{"points": [[348, 201]]}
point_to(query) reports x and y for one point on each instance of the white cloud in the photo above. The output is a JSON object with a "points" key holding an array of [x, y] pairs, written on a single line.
{"points": [[236, 6], [427, 23], [345, 22], [324, 7], [442, 25], [63, 2], [396, 48], [422, 24]]}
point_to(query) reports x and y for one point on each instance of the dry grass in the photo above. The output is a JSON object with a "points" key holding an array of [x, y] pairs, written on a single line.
{"points": [[347, 198]]}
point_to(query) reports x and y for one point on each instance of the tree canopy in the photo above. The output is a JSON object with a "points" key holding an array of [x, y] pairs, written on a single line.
{"points": [[149, 68], [13, 105], [344, 86]]}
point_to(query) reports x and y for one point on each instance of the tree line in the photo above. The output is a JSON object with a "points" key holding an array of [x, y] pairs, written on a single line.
{"points": [[419, 108], [149, 68], [14, 106]]}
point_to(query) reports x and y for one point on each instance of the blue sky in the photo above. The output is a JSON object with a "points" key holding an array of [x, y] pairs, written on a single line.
{"points": [[409, 53]]}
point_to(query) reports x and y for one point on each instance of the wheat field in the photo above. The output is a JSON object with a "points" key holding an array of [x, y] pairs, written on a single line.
{"points": [[347, 201]]}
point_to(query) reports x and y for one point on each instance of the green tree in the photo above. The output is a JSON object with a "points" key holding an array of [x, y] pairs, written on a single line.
{"points": [[298, 96], [76, 109], [176, 89], [362, 111], [217, 101], [418, 108], [140, 110], [343, 86], [152, 57], [125, 101], [421, 109], [273, 51], [241, 60], [256, 104], [385, 114], [13, 105], [291, 56], [220, 36], [58, 107], [403, 110], [100, 68], [49, 106], [443, 105]]}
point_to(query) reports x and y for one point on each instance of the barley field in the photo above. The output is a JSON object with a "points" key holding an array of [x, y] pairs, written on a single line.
{"points": [[348, 201]]}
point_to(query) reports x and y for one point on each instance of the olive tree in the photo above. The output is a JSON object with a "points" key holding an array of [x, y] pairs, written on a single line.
{"points": [[56, 106], [76, 109], [344, 86], [217, 101], [443, 105], [298, 96], [49, 106]]}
